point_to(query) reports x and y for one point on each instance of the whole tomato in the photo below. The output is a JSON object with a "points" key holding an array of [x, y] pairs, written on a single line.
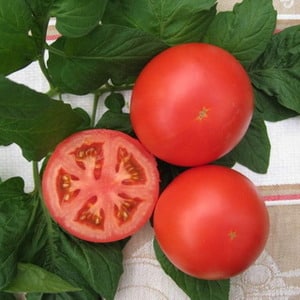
{"points": [[191, 104], [211, 223]]}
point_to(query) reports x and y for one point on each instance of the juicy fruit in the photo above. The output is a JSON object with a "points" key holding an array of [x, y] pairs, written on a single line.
{"points": [[100, 185], [220, 222], [192, 104]]}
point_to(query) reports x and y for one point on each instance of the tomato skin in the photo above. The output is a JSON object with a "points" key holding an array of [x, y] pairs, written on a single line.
{"points": [[211, 222], [100, 185], [191, 104]]}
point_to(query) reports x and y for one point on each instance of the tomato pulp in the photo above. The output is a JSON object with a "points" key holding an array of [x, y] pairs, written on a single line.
{"points": [[100, 185], [211, 222], [191, 104]]}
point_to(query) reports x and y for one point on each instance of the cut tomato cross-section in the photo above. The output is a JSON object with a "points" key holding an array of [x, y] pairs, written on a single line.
{"points": [[100, 185]]}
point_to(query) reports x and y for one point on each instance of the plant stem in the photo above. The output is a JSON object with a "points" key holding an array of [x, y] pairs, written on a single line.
{"points": [[45, 71], [36, 176], [94, 111], [113, 88]]}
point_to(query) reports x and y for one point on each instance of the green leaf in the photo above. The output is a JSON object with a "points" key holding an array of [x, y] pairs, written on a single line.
{"points": [[245, 31], [172, 22], [15, 212], [76, 18], [33, 120], [7, 296], [40, 8], [271, 109], [195, 288], [254, 149], [277, 71], [114, 117], [113, 52], [17, 47], [40, 14], [115, 102], [94, 268], [33, 279]]}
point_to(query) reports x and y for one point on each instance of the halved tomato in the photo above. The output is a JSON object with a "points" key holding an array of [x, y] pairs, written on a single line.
{"points": [[100, 185]]}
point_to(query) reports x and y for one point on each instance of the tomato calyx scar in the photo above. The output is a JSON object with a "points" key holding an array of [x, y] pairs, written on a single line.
{"points": [[203, 114], [232, 235]]}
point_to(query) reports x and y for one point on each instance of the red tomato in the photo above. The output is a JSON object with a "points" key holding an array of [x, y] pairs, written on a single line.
{"points": [[191, 104], [100, 185], [211, 222]]}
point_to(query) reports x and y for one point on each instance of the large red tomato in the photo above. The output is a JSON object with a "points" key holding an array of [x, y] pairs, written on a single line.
{"points": [[211, 222], [100, 185], [191, 104]]}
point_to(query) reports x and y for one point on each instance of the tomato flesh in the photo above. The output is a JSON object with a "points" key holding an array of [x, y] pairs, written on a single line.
{"points": [[191, 104], [211, 222], [100, 185]]}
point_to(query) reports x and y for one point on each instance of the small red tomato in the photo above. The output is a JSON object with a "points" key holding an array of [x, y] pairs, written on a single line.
{"points": [[211, 222], [100, 185], [192, 104]]}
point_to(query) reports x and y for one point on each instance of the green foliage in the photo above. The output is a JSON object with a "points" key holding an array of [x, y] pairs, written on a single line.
{"points": [[113, 52], [245, 31], [53, 261], [103, 47], [173, 23], [114, 117], [276, 73], [15, 215], [17, 47], [254, 149], [75, 18], [34, 279], [33, 120]]}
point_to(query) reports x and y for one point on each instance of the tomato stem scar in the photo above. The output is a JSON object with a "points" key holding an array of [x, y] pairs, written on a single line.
{"points": [[232, 235], [203, 114]]}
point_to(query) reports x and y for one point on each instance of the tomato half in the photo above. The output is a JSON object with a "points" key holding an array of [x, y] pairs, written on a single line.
{"points": [[100, 185], [211, 222], [191, 104]]}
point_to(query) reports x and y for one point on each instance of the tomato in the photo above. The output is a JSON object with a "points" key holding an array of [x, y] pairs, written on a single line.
{"points": [[100, 185], [191, 104], [211, 222]]}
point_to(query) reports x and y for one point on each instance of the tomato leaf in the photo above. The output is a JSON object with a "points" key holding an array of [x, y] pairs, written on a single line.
{"points": [[7, 296], [174, 23], [270, 108], [113, 52], [276, 71], [15, 213], [32, 279], [94, 268], [245, 31], [193, 287], [17, 46], [254, 149], [76, 18], [114, 117], [33, 120]]}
